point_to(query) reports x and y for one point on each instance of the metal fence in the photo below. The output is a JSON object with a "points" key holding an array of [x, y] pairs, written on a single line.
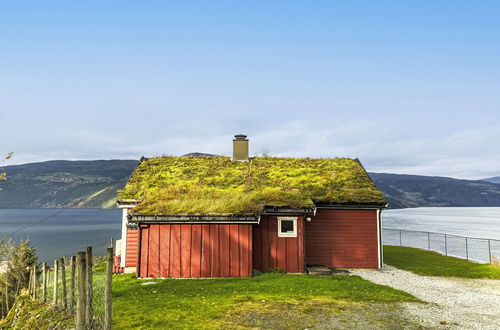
{"points": [[80, 285], [482, 250]]}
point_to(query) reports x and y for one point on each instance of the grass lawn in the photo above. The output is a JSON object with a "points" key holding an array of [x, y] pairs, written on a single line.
{"points": [[290, 301], [431, 263]]}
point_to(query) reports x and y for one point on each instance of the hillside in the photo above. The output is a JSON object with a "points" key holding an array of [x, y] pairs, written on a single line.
{"points": [[403, 191], [59, 183], [93, 184], [495, 179], [29, 314]]}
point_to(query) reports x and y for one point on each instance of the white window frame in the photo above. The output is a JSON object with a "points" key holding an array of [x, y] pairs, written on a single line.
{"points": [[292, 234]]}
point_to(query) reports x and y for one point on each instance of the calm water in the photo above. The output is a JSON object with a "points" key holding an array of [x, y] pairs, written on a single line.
{"points": [[72, 230], [481, 222], [63, 234]]}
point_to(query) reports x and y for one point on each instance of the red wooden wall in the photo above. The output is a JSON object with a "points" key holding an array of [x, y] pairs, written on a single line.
{"points": [[132, 248], [271, 251], [196, 250], [342, 238]]}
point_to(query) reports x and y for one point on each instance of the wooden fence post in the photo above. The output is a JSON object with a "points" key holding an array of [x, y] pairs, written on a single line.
{"points": [[47, 283], [489, 250], [90, 291], [30, 285], [72, 284], [35, 282], [63, 283], [56, 280], [30, 282], [466, 249], [108, 310], [82, 295], [44, 282]]}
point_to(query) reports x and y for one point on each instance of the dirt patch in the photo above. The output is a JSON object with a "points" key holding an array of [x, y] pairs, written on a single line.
{"points": [[314, 314]]}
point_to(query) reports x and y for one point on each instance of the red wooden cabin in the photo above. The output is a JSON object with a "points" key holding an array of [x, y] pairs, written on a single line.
{"points": [[340, 230]]}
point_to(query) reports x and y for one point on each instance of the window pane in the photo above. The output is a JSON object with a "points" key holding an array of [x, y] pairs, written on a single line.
{"points": [[287, 226]]}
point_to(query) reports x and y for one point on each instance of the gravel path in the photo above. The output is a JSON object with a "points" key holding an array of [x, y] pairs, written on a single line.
{"points": [[453, 303]]}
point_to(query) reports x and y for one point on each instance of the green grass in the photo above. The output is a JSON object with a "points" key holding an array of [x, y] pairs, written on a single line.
{"points": [[219, 303], [216, 185], [431, 263]]}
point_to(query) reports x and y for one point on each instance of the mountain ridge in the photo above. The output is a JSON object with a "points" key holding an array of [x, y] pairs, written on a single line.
{"points": [[495, 179], [93, 184], [62, 183], [405, 190]]}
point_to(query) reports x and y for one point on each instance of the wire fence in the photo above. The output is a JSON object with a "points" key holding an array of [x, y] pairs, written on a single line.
{"points": [[481, 250], [79, 285]]}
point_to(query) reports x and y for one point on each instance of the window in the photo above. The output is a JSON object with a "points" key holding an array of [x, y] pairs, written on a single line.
{"points": [[287, 227]]}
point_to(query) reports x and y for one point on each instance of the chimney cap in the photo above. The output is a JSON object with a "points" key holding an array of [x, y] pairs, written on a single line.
{"points": [[240, 137]]}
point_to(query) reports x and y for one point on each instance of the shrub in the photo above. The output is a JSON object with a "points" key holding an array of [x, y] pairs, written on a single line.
{"points": [[19, 260]]}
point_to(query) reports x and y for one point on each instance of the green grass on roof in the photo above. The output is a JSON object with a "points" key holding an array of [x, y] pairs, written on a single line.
{"points": [[216, 185]]}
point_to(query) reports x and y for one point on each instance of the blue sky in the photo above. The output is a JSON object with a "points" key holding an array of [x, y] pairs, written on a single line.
{"points": [[407, 87]]}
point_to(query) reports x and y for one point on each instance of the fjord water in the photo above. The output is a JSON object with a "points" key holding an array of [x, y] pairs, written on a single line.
{"points": [[420, 225], [62, 234], [480, 222], [73, 229]]}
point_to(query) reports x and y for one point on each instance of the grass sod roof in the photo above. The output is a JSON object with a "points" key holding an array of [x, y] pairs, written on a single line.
{"points": [[216, 185]]}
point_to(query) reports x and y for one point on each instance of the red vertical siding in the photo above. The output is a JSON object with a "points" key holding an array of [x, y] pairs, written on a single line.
{"points": [[292, 256], [262, 231], [281, 254], [196, 251], [200, 250], [271, 251], [272, 238], [154, 251], [144, 251], [175, 251], [214, 251], [225, 265], [234, 251], [186, 250], [343, 238], [245, 252], [131, 251], [257, 249], [301, 247], [164, 251], [205, 251]]}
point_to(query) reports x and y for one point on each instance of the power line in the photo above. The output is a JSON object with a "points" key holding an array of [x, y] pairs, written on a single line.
{"points": [[38, 222]]}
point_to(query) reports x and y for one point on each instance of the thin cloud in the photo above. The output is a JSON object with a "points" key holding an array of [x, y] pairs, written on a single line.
{"points": [[470, 153]]}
